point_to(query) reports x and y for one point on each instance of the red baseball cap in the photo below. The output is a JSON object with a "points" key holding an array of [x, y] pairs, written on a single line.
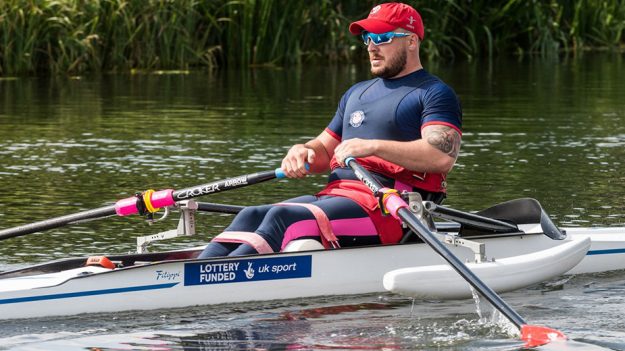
{"points": [[388, 17]]}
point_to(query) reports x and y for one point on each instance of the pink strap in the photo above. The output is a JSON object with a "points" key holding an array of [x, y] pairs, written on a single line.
{"points": [[254, 240], [401, 186], [328, 239]]}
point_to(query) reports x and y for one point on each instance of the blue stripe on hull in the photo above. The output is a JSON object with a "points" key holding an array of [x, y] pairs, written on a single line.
{"points": [[87, 293], [169, 285], [605, 252]]}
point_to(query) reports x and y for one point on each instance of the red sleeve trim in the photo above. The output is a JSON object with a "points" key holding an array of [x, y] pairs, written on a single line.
{"points": [[333, 134], [443, 124]]}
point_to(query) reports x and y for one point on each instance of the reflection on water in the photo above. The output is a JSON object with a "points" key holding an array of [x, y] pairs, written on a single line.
{"points": [[382, 325], [365, 322], [548, 130]]}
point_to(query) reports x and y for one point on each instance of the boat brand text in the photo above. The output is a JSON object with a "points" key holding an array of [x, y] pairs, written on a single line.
{"points": [[165, 275]]}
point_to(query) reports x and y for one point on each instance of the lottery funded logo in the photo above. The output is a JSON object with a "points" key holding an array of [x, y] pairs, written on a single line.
{"points": [[245, 270]]}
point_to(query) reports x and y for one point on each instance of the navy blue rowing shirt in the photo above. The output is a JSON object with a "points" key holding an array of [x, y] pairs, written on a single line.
{"points": [[417, 99]]}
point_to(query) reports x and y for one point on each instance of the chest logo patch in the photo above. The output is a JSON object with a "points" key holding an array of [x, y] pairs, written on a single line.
{"points": [[356, 118]]}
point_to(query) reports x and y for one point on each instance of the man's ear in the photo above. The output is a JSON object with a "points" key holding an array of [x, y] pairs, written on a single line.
{"points": [[414, 42]]}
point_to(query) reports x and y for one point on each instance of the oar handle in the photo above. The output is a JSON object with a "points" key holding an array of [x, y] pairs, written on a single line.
{"points": [[398, 208]]}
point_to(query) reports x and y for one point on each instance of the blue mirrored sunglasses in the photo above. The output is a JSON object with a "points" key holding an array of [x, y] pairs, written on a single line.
{"points": [[382, 38]]}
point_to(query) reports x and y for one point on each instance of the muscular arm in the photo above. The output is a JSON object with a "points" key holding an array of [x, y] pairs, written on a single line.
{"points": [[436, 152], [317, 153]]}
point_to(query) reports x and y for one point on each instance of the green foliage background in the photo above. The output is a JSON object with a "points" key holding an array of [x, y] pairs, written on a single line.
{"points": [[80, 36]]}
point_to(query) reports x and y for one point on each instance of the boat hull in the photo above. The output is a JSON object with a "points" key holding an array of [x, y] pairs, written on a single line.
{"points": [[190, 282]]}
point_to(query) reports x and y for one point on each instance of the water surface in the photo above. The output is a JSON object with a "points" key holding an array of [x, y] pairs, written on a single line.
{"points": [[549, 130]]}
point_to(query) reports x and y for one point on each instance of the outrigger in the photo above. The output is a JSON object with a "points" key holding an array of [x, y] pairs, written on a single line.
{"points": [[505, 247]]}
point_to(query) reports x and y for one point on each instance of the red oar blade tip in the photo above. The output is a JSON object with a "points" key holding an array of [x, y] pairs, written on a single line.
{"points": [[535, 335]]}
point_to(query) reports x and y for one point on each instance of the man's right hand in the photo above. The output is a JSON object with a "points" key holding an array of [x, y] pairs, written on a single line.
{"points": [[294, 163]]}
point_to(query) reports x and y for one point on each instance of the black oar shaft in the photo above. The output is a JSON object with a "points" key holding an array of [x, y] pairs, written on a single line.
{"points": [[57, 222], [220, 208], [131, 205], [426, 235], [222, 185]]}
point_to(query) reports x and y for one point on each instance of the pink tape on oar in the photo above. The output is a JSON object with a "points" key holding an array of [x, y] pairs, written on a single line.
{"points": [[163, 198], [535, 335], [392, 201], [158, 199], [126, 207]]}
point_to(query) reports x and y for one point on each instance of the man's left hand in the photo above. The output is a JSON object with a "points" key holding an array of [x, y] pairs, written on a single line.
{"points": [[354, 148]]}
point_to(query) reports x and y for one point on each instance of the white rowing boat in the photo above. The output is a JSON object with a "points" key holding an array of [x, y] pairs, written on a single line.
{"points": [[502, 247]]}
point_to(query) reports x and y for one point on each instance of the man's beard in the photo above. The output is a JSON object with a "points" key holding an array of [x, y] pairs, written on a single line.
{"points": [[394, 66]]}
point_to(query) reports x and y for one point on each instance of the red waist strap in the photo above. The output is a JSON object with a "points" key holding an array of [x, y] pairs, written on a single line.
{"points": [[432, 182], [354, 190], [388, 228]]}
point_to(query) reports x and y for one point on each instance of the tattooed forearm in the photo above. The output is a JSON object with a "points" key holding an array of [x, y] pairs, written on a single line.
{"points": [[444, 138]]}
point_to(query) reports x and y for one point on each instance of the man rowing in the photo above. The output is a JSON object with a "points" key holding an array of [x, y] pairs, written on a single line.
{"points": [[404, 126]]}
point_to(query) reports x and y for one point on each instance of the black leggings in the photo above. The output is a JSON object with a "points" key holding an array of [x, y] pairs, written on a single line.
{"points": [[278, 225]]}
